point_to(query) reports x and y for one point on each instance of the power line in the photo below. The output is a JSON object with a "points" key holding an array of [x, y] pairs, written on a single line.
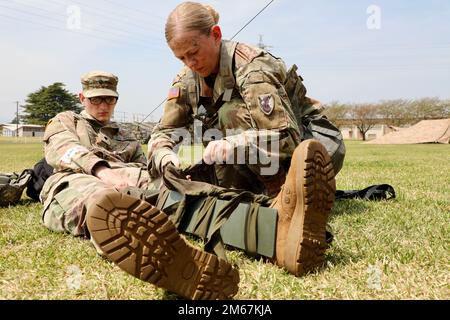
{"points": [[15, 18], [121, 33], [61, 29], [156, 108], [252, 19], [101, 12]]}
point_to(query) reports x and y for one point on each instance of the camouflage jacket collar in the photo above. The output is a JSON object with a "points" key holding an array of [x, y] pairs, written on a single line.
{"points": [[226, 73], [225, 81]]}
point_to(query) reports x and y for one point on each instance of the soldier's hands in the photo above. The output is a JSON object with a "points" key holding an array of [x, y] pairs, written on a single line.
{"points": [[218, 151], [111, 178], [168, 159]]}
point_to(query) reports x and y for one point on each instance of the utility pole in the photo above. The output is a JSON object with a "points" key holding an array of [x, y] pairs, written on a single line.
{"points": [[262, 45], [17, 119]]}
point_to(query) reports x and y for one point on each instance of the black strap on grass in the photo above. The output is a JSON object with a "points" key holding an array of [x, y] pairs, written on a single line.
{"points": [[375, 192]]}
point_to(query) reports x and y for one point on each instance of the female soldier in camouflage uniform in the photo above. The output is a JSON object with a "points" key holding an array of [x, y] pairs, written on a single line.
{"points": [[247, 95], [233, 86], [93, 159]]}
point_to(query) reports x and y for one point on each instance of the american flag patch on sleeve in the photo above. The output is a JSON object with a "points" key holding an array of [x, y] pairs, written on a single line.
{"points": [[174, 93]]}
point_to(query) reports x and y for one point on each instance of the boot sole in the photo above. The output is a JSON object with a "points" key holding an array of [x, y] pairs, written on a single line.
{"points": [[142, 241], [315, 187]]}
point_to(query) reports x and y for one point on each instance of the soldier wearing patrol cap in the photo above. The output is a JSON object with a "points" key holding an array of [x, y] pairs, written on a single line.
{"points": [[97, 164], [234, 86]]}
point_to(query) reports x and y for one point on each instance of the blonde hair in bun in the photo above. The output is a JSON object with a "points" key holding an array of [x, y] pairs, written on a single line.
{"points": [[191, 16], [213, 13]]}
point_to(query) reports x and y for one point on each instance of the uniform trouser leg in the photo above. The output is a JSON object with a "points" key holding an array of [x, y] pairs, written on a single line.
{"points": [[238, 177], [66, 211], [234, 116], [320, 128], [139, 239], [250, 226]]}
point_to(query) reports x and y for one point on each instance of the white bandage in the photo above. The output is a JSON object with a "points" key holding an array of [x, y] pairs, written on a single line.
{"points": [[71, 153]]}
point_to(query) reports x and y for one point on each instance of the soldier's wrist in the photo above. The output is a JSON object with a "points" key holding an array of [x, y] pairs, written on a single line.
{"points": [[99, 167], [159, 157]]}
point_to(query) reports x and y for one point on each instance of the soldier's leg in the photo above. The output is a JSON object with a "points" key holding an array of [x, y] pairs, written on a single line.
{"points": [[142, 241], [293, 231], [139, 239], [66, 209], [139, 177], [307, 196], [235, 116], [303, 206], [238, 177], [250, 226], [145, 187], [317, 126]]}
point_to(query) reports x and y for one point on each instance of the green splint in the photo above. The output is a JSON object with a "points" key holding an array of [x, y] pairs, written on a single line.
{"points": [[255, 234]]}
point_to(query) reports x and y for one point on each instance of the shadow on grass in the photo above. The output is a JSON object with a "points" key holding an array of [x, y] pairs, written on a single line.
{"points": [[336, 256], [26, 202], [349, 206]]}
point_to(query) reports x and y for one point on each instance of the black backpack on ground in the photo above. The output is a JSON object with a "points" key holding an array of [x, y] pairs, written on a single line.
{"points": [[40, 172]]}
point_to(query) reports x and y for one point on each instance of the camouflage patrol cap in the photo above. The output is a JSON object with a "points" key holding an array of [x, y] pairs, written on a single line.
{"points": [[99, 83]]}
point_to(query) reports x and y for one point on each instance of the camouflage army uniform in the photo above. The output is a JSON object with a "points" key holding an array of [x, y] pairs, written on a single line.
{"points": [[74, 145], [252, 92]]}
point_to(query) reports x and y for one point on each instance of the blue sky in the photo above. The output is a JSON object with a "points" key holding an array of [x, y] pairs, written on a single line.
{"points": [[404, 53]]}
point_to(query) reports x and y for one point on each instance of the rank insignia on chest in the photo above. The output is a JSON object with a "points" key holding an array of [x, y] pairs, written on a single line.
{"points": [[174, 93], [266, 103]]}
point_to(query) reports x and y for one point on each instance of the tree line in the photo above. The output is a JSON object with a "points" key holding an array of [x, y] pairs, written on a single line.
{"points": [[398, 112], [45, 103]]}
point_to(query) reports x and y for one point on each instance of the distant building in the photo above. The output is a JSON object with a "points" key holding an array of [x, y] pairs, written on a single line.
{"points": [[142, 130], [351, 132], [22, 130]]}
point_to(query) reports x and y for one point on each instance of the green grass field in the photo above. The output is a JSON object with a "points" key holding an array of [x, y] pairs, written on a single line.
{"points": [[382, 250]]}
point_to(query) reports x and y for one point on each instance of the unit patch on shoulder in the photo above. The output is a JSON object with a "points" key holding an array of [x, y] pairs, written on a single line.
{"points": [[174, 93], [266, 103]]}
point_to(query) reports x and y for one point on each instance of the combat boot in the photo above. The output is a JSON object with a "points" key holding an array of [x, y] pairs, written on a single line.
{"points": [[303, 205], [142, 241]]}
